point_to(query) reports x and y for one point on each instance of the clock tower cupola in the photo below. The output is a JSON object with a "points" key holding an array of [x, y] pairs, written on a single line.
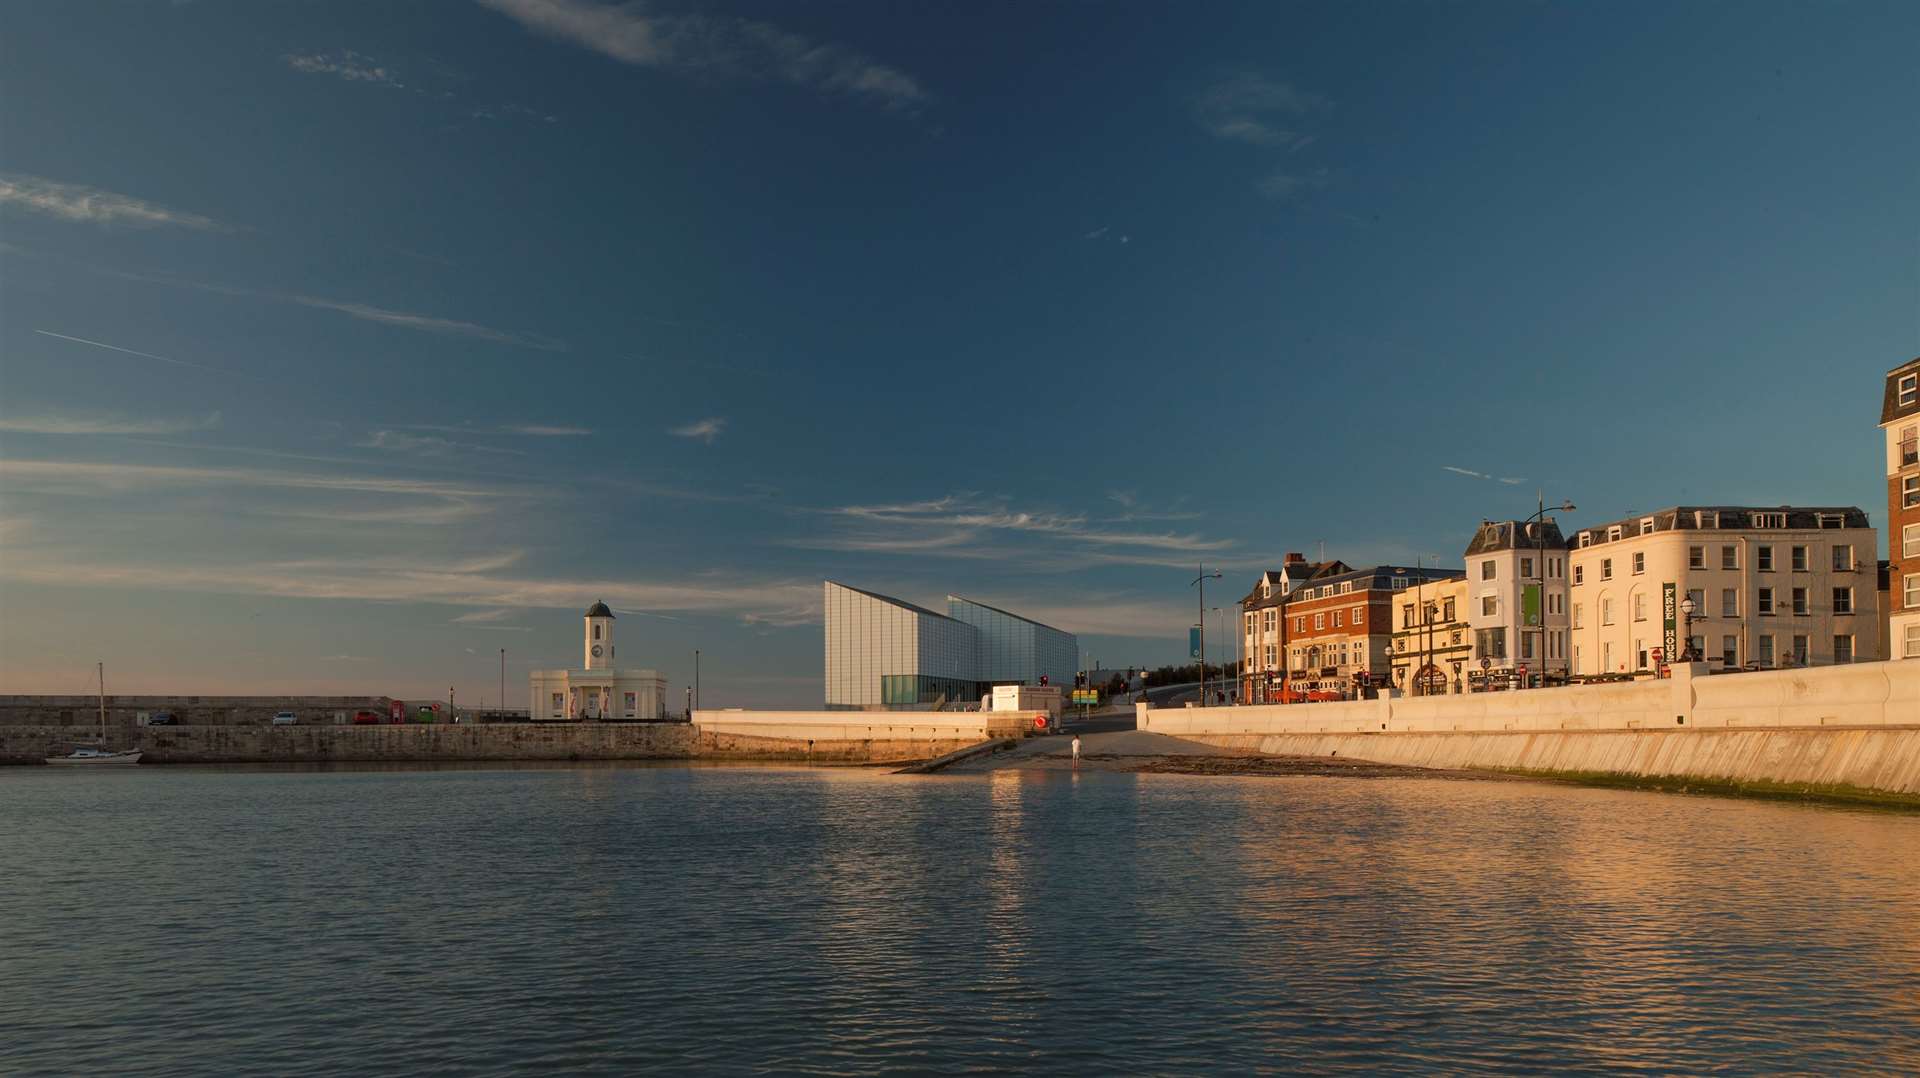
{"points": [[599, 637]]}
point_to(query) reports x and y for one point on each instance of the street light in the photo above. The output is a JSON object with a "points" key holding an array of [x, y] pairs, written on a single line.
{"points": [[1538, 521], [1687, 608], [1202, 581]]}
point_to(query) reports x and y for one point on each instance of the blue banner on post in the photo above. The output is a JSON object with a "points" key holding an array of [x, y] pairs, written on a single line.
{"points": [[1193, 642]]}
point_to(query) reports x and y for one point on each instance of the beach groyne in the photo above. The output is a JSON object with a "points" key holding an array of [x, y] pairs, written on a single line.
{"points": [[1837, 729]]}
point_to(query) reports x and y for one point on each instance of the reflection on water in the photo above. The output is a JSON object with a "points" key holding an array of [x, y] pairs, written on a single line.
{"points": [[175, 921]]}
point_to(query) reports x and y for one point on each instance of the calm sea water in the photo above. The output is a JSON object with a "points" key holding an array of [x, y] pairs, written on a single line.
{"points": [[187, 921]]}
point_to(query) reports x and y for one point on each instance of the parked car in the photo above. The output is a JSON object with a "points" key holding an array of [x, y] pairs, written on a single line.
{"points": [[285, 718], [368, 718], [162, 718]]}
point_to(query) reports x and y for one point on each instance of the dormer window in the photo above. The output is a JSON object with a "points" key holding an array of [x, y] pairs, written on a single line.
{"points": [[1586, 539], [1909, 390], [1769, 520], [1646, 525], [1613, 534]]}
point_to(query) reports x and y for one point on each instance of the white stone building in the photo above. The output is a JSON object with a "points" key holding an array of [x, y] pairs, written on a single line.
{"points": [[599, 690], [1771, 587], [1517, 577]]}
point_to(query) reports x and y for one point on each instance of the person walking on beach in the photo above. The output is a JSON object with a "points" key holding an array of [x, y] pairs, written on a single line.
{"points": [[1076, 752]]}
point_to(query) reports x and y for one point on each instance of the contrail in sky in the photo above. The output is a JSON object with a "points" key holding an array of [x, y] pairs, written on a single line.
{"points": [[136, 352]]}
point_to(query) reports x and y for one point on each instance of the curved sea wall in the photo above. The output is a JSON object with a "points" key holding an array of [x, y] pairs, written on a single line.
{"points": [[1852, 727]]}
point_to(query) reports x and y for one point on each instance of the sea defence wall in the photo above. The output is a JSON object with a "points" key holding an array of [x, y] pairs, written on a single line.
{"points": [[825, 737], [1839, 726]]}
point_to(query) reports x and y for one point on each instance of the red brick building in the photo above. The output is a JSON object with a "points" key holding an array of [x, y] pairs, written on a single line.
{"points": [[1900, 418]]}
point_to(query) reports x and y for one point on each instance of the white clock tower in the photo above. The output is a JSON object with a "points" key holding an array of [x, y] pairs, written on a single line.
{"points": [[599, 637]]}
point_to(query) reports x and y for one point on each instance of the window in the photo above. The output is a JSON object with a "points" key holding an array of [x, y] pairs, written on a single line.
{"points": [[1586, 540], [1613, 534], [1359, 615], [1908, 388], [1491, 643], [1319, 621], [1909, 446], [1831, 520], [1448, 616], [1763, 558], [1606, 656], [1706, 518], [1910, 541], [1487, 569], [1580, 571], [1911, 644], [1799, 655], [1399, 583], [1300, 624], [1406, 616], [1606, 611], [559, 703], [1909, 491], [1842, 559], [1766, 601], [1336, 619], [1606, 568], [1843, 648], [1699, 598], [1269, 656], [1639, 562], [1270, 617], [1729, 557], [632, 702], [1769, 520], [1800, 602], [1250, 624], [1799, 559], [1843, 600], [1730, 651], [1910, 591], [1646, 525], [1526, 645], [1489, 605], [1696, 557], [596, 632], [1764, 650], [1639, 606], [1729, 603], [1576, 615], [1526, 569], [1346, 586]]}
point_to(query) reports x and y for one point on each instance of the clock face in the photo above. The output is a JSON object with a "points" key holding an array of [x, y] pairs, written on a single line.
{"points": [[596, 651]]}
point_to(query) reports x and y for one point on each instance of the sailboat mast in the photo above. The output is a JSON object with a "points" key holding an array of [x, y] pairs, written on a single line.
{"points": [[101, 667]]}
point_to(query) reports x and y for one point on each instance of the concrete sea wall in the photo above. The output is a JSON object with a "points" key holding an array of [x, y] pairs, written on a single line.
{"points": [[1852, 726], [759, 736]]}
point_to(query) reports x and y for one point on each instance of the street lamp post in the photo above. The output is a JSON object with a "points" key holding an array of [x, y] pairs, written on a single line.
{"points": [[1687, 608], [1201, 580], [1538, 522]]}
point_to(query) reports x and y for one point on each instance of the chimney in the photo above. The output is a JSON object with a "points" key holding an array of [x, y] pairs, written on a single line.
{"points": [[1294, 557]]}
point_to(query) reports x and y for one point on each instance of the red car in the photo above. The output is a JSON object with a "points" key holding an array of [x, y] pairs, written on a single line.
{"points": [[366, 718]]}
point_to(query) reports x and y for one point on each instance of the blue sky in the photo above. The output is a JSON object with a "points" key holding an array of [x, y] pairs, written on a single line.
{"points": [[343, 345]]}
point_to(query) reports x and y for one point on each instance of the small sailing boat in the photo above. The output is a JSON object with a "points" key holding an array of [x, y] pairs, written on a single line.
{"points": [[102, 756]]}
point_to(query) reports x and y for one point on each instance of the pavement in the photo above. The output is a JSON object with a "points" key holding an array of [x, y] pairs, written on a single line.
{"points": [[1106, 750]]}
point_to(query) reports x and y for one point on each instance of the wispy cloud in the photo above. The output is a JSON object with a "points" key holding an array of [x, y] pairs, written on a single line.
{"points": [[1509, 480], [482, 617], [69, 476], [1283, 184], [447, 327], [709, 46], [538, 431], [430, 445], [343, 658], [91, 205], [705, 430], [1253, 109], [346, 65], [137, 352], [69, 424], [973, 512]]}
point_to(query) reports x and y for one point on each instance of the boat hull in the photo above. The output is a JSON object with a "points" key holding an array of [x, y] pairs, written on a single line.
{"points": [[109, 759]]}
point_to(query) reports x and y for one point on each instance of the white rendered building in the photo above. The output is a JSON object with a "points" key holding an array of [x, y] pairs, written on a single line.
{"points": [[1771, 587], [599, 690], [1517, 578]]}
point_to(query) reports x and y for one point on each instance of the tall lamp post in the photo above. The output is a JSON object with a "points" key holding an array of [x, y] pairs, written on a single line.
{"points": [[1538, 522], [1220, 620], [1201, 580], [1688, 615]]}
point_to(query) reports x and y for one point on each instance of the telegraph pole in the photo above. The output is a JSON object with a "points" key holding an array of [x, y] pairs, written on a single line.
{"points": [[503, 684]]}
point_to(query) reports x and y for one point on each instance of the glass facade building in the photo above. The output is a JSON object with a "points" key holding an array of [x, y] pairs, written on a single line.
{"points": [[883, 652], [1016, 650]]}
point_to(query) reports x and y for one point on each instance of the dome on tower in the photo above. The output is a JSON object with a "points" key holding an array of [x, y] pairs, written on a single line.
{"points": [[599, 610]]}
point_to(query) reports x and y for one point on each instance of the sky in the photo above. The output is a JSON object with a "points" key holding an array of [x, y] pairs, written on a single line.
{"points": [[345, 345]]}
